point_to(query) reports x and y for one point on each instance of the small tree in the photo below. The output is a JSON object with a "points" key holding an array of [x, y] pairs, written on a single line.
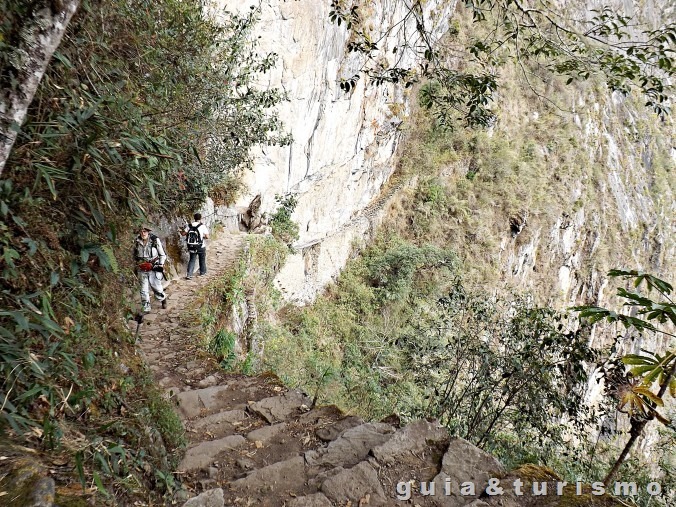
{"points": [[28, 38], [283, 227], [481, 363], [635, 394]]}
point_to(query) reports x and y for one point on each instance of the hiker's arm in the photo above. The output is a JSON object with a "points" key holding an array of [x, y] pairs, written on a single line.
{"points": [[160, 253]]}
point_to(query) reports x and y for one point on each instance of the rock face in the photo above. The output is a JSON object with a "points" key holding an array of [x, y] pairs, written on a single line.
{"points": [[343, 143], [343, 154], [618, 216]]}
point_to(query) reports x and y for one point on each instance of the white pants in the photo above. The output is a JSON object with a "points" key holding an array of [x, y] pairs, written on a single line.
{"points": [[150, 278]]}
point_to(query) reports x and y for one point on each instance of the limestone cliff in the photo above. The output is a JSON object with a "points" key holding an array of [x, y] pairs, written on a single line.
{"points": [[345, 148], [344, 144]]}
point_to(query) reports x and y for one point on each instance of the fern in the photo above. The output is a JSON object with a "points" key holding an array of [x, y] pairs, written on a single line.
{"points": [[110, 258]]}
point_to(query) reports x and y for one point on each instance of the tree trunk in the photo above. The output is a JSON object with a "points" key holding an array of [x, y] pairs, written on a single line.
{"points": [[637, 427], [40, 35], [635, 432]]}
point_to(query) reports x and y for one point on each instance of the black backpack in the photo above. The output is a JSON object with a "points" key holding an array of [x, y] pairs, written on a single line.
{"points": [[194, 238]]}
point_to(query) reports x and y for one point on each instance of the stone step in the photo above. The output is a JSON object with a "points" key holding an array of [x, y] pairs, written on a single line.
{"points": [[210, 498], [254, 443], [353, 485], [204, 454], [267, 444], [315, 500], [221, 424], [266, 433], [238, 392], [279, 442], [278, 408], [280, 480], [348, 475], [329, 432], [210, 399], [208, 381], [352, 446], [414, 438], [228, 416]]}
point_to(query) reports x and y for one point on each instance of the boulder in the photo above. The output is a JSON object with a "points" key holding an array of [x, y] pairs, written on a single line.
{"points": [[211, 498], [355, 485], [464, 463], [413, 438], [351, 447]]}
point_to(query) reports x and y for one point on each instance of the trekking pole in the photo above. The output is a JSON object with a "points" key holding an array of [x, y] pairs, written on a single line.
{"points": [[139, 320]]}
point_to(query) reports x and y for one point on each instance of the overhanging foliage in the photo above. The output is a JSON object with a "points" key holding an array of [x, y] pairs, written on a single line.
{"points": [[146, 107], [539, 36]]}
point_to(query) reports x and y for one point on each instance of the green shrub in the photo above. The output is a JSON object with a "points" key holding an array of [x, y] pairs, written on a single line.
{"points": [[480, 362], [392, 272], [163, 416], [283, 227], [222, 345], [399, 333], [140, 113]]}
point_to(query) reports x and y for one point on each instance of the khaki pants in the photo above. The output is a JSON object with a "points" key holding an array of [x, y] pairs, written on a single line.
{"points": [[151, 278]]}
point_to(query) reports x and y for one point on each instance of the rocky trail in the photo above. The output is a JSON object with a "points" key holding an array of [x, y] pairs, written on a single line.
{"points": [[253, 442]]}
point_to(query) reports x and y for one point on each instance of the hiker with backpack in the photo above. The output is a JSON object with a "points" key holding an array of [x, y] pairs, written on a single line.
{"points": [[149, 257], [195, 235]]}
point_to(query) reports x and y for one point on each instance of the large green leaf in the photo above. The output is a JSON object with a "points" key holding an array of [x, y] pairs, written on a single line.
{"points": [[637, 359]]}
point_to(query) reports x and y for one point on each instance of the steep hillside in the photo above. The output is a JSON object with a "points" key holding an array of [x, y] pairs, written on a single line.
{"points": [[453, 252], [477, 234], [549, 199]]}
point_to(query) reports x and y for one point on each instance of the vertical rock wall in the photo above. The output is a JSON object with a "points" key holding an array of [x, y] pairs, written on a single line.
{"points": [[618, 216], [343, 143]]}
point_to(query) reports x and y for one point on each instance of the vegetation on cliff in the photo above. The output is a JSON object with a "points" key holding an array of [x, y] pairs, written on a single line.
{"points": [[633, 389], [146, 108], [421, 323], [538, 38]]}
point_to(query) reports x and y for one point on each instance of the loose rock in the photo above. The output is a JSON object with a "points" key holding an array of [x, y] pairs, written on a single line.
{"points": [[211, 498]]}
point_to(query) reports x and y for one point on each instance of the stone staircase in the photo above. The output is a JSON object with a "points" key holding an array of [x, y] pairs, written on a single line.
{"points": [[253, 442]]}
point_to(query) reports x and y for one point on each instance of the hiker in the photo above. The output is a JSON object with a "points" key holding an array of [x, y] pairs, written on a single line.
{"points": [[196, 233], [149, 257]]}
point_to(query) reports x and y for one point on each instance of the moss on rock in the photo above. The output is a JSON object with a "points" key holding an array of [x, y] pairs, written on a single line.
{"points": [[530, 473]]}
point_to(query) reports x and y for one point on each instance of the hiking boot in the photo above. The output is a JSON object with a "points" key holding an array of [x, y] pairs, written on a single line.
{"points": [[164, 304], [189, 277], [146, 307]]}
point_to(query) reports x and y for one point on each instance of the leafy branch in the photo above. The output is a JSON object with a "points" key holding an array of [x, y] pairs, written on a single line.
{"points": [[634, 393], [463, 82]]}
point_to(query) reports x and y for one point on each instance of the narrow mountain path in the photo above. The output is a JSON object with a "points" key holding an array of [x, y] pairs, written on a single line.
{"points": [[170, 350], [227, 416], [253, 442]]}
